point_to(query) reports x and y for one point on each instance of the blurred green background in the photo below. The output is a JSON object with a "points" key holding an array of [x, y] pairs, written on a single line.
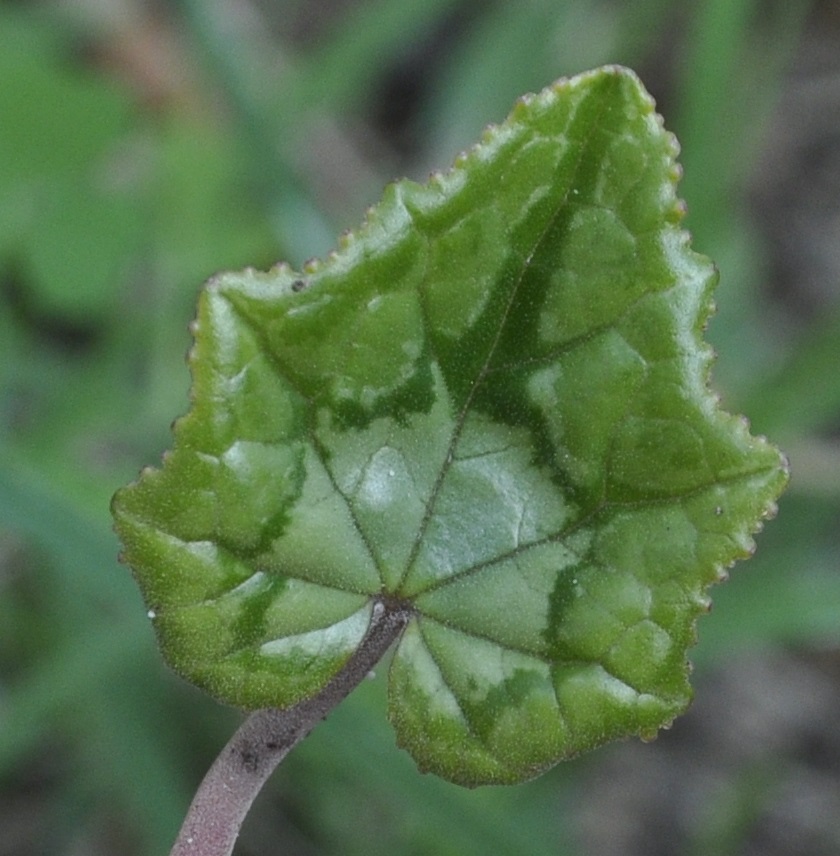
{"points": [[145, 146]]}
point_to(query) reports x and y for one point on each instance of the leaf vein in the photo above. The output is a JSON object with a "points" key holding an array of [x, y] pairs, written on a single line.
{"points": [[460, 420], [317, 444]]}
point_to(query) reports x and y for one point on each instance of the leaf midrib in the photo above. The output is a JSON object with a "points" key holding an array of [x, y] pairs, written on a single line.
{"points": [[461, 418]]}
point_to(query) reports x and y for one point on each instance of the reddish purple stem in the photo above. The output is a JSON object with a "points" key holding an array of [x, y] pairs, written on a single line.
{"points": [[215, 816]]}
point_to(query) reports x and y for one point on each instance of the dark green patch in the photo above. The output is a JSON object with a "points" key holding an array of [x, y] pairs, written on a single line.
{"points": [[559, 601], [416, 395], [510, 694], [250, 627]]}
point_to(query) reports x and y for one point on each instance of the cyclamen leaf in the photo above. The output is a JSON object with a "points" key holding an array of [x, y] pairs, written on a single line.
{"points": [[489, 404]]}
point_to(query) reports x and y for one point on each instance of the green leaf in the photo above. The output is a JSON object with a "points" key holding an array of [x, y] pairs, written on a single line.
{"points": [[489, 405]]}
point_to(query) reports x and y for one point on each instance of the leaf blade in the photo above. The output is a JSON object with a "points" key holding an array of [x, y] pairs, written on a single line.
{"points": [[490, 404]]}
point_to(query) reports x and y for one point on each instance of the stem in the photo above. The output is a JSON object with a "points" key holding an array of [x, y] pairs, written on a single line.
{"points": [[215, 816]]}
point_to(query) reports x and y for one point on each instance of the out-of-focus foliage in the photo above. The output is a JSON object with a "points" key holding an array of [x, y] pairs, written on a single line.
{"points": [[143, 149]]}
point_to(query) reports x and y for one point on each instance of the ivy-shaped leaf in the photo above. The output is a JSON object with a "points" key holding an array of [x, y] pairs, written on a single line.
{"points": [[489, 406]]}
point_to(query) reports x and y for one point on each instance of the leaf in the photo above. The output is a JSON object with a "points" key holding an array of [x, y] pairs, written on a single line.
{"points": [[490, 405]]}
